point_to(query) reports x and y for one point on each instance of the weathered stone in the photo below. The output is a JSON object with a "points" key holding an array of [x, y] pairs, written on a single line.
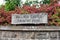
{"points": [[42, 35], [14, 35], [54, 35]]}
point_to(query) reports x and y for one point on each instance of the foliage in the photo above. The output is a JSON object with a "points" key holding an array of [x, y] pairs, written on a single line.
{"points": [[10, 4], [0, 6], [45, 1], [30, 2]]}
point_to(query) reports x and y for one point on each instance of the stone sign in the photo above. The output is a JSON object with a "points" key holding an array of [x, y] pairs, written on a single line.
{"points": [[35, 18]]}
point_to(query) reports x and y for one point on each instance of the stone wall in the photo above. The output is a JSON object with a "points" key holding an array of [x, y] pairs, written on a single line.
{"points": [[14, 35]]}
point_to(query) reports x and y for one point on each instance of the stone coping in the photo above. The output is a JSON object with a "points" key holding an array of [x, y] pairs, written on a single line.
{"points": [[30, 28]]}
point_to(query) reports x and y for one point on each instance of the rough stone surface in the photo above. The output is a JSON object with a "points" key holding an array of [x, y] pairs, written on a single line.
{"points": [[9, 35]]}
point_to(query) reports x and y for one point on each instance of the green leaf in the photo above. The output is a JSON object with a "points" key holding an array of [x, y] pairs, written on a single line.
{"points": [[46, 1], [10, 4]]}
